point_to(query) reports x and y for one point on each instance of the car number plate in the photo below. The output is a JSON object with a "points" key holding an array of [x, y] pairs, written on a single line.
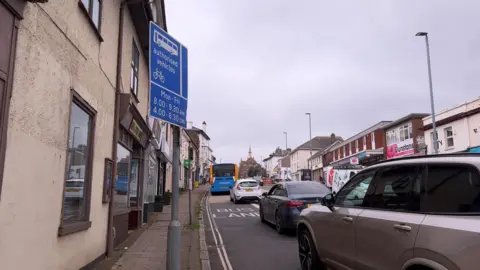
{"points": [[248, 190], [72, 190], [308, 205]]}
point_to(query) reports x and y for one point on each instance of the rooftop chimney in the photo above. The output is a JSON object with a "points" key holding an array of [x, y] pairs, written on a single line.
{"points": [[332, 138], [204, 126], [189, 125]]}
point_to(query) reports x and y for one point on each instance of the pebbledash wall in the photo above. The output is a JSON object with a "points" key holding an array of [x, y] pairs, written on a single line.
{"points": [[59, 53]]}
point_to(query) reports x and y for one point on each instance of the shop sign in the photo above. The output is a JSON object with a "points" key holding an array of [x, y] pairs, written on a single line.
{"points": [[354, 160], [136, 130], [400, 149]]}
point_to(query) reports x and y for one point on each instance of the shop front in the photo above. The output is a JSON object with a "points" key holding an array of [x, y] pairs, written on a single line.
{"points": [[134, 136], [364, 158]]}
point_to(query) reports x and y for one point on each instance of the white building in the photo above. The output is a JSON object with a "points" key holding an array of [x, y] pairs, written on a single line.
{"points": [[60, 62], [206, 152], [271, 162], [458, 128], [300, 155]]}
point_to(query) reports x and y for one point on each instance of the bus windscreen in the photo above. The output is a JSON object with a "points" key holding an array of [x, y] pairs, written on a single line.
{"points": [[223, 170]]}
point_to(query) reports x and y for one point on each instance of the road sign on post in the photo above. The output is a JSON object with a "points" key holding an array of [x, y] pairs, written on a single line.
{"points": [[168, 77], [168, 72]]}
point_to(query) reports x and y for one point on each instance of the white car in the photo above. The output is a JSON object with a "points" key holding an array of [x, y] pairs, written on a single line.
{"points": [[245, 190]]}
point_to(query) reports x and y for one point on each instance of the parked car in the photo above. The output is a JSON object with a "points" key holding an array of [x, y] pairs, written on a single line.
{"points": [[282, 205], [407, 213], [245, 190]]}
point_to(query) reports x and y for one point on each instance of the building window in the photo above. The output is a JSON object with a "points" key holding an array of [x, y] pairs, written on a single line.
{"points": [[405, 132], [350, 148], [449, 137], [134, 64], [94, 11], [373, 140], [338, 154], [356, 146], [364, 142], [122, 183], [344, 152], [78, 182]]}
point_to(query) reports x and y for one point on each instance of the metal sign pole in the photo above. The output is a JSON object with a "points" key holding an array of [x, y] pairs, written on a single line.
{"points": [[174, 228], [190, 184], [168, 100]]}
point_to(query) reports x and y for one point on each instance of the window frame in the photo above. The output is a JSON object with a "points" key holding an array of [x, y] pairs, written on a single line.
{"points": [[134, 69], [364, 142], [425, 185], [421, 170], [355, 182], [356, 146], [445, 130], [71, 227], [88, 11]]}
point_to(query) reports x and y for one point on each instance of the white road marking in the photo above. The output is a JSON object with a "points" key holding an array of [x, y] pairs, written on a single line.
{"points": [[255, 205], [214, 237], [214, 227]]}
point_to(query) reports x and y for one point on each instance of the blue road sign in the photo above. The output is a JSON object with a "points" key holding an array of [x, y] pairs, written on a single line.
{"points": [[168, 77]]}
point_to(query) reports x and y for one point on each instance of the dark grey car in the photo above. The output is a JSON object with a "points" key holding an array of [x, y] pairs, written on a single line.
{"points": [[282, 205]]}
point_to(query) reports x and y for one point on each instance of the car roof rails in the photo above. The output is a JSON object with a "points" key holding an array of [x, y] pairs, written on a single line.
{"points": [[456, 154]]}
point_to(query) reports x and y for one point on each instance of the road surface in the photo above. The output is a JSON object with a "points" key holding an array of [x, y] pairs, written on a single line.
{"points": [[243, 241]]}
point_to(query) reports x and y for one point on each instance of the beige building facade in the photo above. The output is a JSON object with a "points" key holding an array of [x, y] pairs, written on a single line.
{"points": [[58, 107]]}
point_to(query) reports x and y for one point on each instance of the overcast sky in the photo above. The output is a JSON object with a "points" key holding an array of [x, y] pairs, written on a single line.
{"points": [[256, 67]]}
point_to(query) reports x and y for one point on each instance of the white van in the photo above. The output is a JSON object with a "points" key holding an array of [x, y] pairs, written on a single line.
{"points": [[341, 177]]}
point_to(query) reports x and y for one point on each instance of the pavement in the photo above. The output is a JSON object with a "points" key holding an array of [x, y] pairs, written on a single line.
{"points": [[149, 251], [238, 240]]}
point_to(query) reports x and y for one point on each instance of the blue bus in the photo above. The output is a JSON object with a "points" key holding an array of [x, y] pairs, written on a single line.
{"points": [[223, 177]]}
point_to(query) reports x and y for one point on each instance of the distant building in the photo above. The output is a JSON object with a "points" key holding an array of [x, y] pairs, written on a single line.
{"points": [[366, 146], [404, 136], [458, 128], [300, 155], [270, 163], [315, 162], [245, 165]]}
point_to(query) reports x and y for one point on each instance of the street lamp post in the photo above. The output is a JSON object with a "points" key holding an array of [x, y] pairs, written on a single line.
{"points": [[286, 145], [310, 128], [432, 104]]}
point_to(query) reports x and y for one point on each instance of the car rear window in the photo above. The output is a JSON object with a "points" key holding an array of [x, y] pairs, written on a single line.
{"points": [[307, 188], [248, 184]]}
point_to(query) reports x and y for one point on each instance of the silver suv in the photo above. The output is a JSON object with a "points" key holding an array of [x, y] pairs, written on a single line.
{"points": [[410, 214]]}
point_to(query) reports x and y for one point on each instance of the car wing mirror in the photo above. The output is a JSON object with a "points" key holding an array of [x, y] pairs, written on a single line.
{"points": [[328, 201], [265, 194]]}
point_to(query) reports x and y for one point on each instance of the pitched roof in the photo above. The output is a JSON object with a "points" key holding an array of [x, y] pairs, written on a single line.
{"points": [[320, 153], [318, 143], [193, 137], [200, 131]]}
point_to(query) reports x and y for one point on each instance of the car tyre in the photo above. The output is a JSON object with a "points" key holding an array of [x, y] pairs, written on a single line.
{"points": [[235, 201], [307, 252], [231, 199], [278, 223], [260, 212]]}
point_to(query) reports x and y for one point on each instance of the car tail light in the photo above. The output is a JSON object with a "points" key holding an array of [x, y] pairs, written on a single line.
{"points": [[294, 204], [238, 187]]}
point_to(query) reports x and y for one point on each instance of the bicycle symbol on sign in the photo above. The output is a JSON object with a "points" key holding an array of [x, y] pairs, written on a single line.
{"points": [[158, 75]]}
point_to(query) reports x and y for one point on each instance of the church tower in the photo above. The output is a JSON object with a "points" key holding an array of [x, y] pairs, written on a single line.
{"points": [[250, 151]]}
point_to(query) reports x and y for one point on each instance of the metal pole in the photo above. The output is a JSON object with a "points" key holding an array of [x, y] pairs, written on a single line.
{"points": [[310, 128], [432, 104], [174, 228], [190, 185]]}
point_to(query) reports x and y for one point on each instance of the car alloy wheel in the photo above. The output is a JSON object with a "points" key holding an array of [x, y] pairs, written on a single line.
{"points": [[278, 223], [305, 252]]}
